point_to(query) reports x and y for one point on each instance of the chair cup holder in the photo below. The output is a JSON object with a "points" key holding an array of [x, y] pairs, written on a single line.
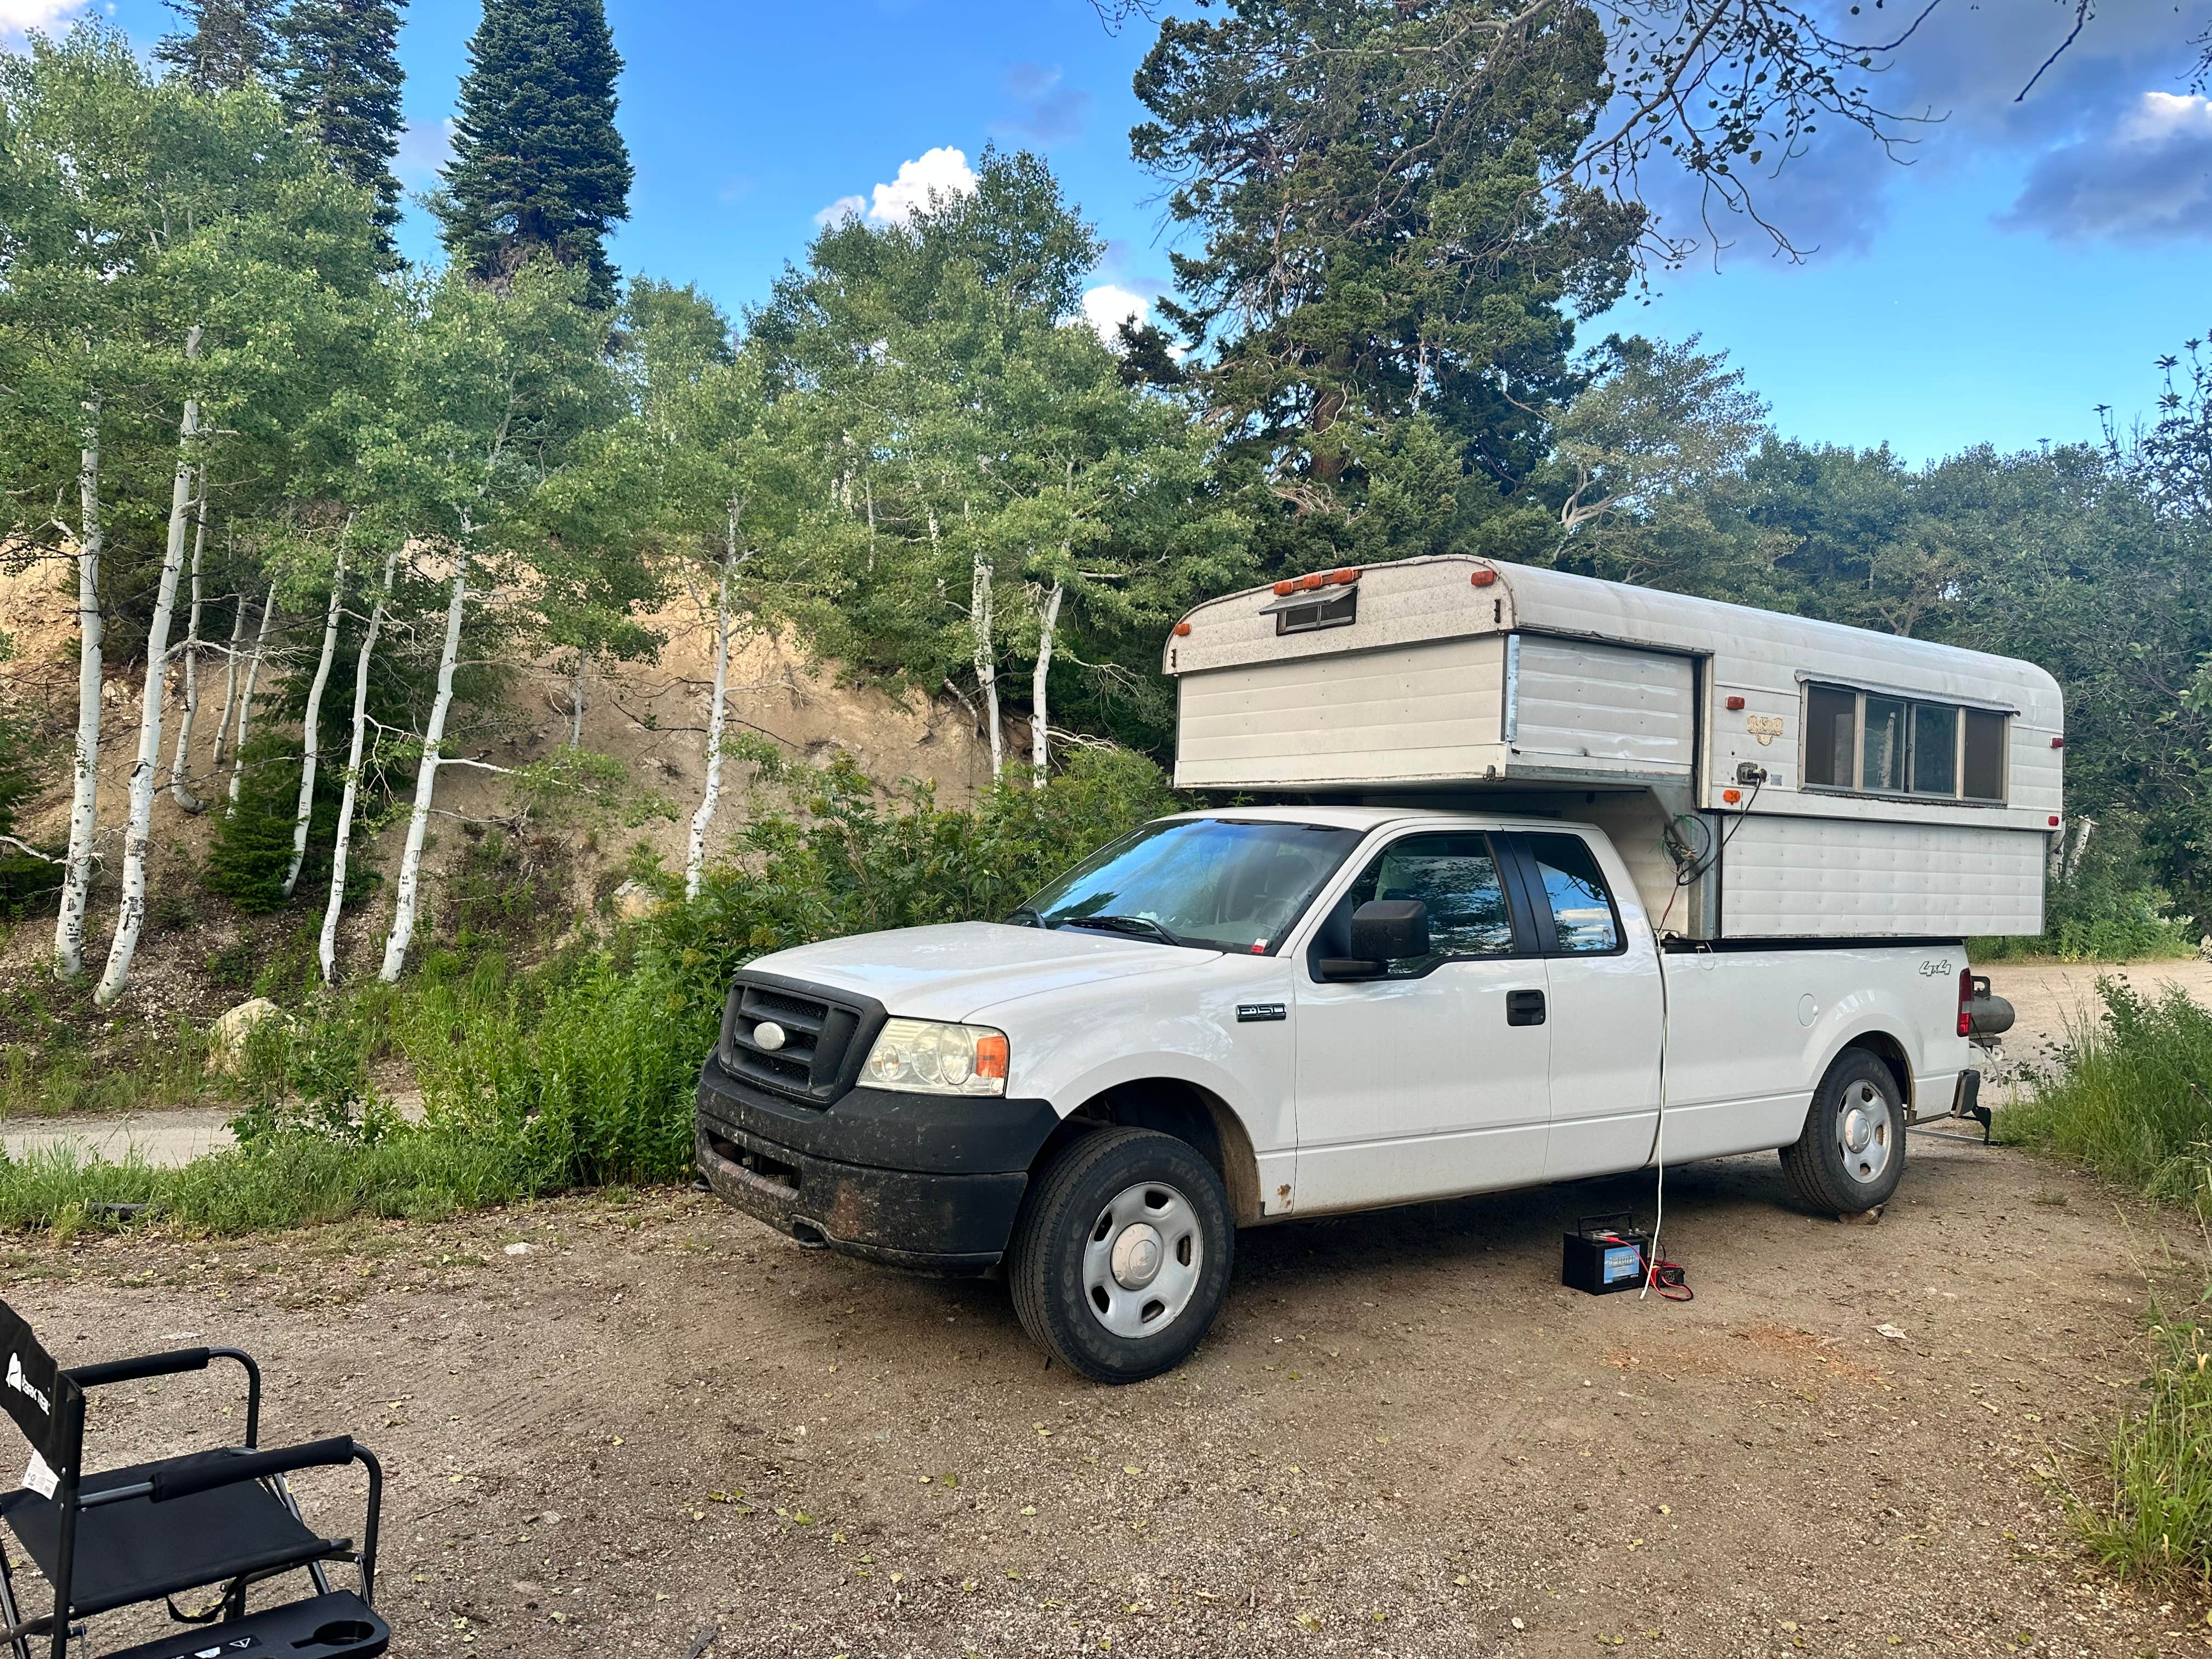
{"points": [[338, 1633]]}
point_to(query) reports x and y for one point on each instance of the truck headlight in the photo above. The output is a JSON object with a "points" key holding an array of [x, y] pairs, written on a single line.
{"points": [[934, 1057]]}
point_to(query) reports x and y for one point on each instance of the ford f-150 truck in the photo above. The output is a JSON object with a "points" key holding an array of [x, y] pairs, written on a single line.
{"points": [[1246, 1015]]}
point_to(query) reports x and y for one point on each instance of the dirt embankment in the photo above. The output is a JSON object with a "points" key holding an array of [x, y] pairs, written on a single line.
{"points": [[651, 717]]}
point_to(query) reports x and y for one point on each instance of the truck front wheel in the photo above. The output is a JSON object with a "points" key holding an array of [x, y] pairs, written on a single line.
{"points": [[1852, 1152], [1121, 1255]]}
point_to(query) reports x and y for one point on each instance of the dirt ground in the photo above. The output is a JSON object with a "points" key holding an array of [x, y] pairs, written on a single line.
{"points": [[658, 1421]]}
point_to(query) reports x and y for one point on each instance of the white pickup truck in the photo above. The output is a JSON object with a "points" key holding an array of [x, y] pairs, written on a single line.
{"points": [[1245, 1015]]}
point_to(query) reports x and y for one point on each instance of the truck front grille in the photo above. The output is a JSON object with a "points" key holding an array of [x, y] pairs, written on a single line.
{"points": [[810, 1063]]}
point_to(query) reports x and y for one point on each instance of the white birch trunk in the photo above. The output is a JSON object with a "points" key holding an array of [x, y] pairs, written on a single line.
{"points": [[986, 668], [1040, 750], [245, 695], [180, 788], [576, 699], [694, 857], [229, 684], [138, 828], [84, 800], [327, 951], [311, 739], [426, 781]]}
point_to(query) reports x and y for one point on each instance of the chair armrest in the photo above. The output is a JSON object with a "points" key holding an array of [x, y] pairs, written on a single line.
{"points": [[168, 1483], [131, 1370]]}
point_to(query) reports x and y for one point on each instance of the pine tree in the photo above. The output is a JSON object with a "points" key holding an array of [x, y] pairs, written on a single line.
{"points": [[341, 77], [230, 43], [538, 164]]}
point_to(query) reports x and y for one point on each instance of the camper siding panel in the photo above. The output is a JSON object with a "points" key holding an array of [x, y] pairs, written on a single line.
{"points": [[1849, 878], [1580, 703], [1372, 717]]}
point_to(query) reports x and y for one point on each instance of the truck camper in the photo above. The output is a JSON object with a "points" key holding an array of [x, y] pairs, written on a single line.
{"points": [[1515, 877]]}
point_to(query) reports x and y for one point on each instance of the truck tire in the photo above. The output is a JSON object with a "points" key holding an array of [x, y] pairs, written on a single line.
{"points": [[1852, 1152], [1121, 1254]]}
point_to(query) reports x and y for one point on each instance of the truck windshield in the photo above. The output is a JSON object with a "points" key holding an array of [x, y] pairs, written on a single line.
{"points": [[1218, 883]]}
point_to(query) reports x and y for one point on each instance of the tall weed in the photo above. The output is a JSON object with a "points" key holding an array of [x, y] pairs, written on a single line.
{"points": [[2130, 1095]]}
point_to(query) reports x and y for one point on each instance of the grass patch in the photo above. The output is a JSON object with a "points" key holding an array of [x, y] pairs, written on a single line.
{"points": [[2129, 1095], [286, 1181], [2153, 1517]]}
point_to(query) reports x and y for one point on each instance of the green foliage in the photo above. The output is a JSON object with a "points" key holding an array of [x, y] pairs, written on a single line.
{"points": [[228, 45], [2131, 1096], [1392, 229], [341, 76], [581, 1071], [539, 169]]}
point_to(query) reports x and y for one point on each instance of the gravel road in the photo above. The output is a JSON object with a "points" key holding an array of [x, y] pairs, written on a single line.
{"points": [[614, 1426]]}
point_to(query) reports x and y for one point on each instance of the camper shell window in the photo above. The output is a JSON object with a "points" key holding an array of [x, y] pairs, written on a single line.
{"points": [[1871, 743], [1302, 613]]}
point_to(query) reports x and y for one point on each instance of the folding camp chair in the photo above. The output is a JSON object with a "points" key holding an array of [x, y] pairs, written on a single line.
{"points": [[140, 1534]]}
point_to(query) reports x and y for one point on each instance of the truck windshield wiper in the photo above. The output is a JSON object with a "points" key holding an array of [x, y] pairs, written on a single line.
{"points": [[1023, 916], [1127, 925]]}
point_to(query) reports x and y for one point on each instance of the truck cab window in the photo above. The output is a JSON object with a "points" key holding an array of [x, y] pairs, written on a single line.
{"points": [[1456, 877], [1581, 908]]}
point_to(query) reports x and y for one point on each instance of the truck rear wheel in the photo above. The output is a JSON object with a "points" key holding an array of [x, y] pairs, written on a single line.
{"points": [[1852, 1155], [1121, 1257]]}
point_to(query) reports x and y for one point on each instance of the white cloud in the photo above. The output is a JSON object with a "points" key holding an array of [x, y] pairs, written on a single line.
{"points": [[18, 15], [934, 175], [937, 172], [1106, 307], [2147, 180]]}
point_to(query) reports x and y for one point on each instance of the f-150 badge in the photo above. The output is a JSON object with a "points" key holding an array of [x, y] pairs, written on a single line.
{"points": [[1251, 1010]]}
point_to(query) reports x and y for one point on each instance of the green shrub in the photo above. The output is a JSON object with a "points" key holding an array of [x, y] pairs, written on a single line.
{"points": [[2130, 1095], [580, 1071]]}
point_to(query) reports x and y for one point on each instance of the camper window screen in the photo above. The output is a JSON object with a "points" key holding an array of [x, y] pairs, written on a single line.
{"points": [[1879, 745]]}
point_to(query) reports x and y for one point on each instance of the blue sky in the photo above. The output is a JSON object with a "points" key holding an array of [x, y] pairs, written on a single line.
{"points": [[2033, 260]]}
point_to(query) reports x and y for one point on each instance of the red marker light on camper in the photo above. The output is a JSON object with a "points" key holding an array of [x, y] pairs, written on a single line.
{"points": [[1731, 796], [1734, 703], [2058, 742], [1183, 630], [1483, 578], [2054, 820]]}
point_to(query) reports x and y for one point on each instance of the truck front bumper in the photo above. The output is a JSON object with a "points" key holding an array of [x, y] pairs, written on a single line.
{"points": [[930, 1183]]}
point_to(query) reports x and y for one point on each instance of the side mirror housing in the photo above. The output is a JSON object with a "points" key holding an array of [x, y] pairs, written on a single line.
{"points": [[1390, 929]]}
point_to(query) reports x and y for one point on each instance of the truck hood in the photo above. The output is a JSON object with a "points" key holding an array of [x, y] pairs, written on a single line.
{"points": [[948, 972]]}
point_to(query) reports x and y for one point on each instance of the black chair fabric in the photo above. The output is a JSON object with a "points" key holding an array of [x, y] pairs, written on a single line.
{"points": [[133, 1550]]}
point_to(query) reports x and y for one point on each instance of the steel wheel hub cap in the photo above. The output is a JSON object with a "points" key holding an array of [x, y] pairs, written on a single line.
{"points": [[1863, 1132], [1142, 1260]]}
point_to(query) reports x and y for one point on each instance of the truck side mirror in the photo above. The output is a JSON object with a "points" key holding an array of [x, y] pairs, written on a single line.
{"points": [[1390, 929]]}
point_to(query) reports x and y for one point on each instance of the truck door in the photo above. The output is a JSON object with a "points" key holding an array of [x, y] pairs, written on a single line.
{"points": [[1432, 1076], [1602, 969]]}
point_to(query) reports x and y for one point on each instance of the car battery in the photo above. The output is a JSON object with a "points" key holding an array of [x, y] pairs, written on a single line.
{"points": [[1604, 1253]]}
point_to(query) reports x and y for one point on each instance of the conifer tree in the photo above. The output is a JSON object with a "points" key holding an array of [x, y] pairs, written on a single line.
{"points": [[538, 164], [229, 44], [341, 77]]}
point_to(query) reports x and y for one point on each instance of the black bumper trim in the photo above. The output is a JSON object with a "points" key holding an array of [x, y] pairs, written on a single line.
{"points": [[885, 1129], [933, 1223]]}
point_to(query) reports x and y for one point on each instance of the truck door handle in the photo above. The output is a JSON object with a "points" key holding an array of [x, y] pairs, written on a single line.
{"points": [[1524, 1007]]}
